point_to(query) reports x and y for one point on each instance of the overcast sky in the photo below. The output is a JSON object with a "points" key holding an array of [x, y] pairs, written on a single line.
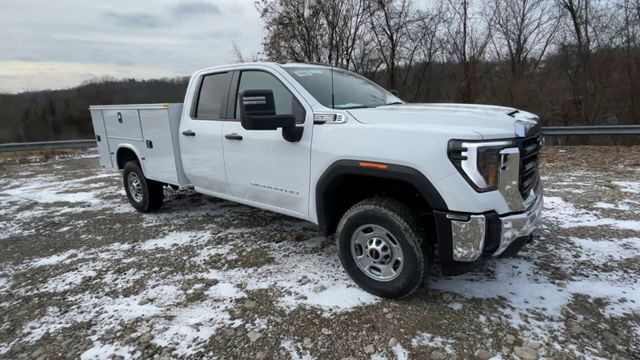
{"points": [[53, 44]]}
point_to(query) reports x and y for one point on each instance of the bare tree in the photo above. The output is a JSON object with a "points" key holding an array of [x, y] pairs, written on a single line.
{"points": [[523, 31], [324, 31], [345, 22], [294, 29], [631, 33], [424, 47], [240, 57], [591, 33], [467, 37], [390, 21]]}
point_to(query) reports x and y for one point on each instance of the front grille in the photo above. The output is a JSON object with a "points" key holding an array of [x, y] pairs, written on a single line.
{"points": [[529, 150]]}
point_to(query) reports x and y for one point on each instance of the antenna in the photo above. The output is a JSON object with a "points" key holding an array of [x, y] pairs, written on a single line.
{"points": [[333, 105]]}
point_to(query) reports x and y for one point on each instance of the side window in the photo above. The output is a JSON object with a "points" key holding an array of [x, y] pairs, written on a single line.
{"points": [[285, 102], [213, 93]]}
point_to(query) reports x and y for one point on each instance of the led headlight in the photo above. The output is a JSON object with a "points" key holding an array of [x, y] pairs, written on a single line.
{"points": [[478, 161]]}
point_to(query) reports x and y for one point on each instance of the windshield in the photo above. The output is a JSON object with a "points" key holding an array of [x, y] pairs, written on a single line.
{"points": [[350, 90]]}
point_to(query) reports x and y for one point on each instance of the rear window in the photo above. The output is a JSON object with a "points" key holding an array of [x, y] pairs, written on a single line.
{"points": [[213, 94]]}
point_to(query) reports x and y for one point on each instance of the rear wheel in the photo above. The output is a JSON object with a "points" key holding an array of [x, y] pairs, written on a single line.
{"points": [[380, 246], [145, 195]]}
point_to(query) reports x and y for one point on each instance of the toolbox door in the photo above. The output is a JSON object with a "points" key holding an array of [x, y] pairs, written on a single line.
{"points": [[101, 138], [158, 151], [123, 124]]}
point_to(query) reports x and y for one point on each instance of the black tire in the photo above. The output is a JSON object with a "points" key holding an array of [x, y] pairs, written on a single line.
{"points": [[402, 226], [152, 193]]}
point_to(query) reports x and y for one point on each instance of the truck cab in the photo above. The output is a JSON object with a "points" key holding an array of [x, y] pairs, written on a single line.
{"points": [[402, 186]]}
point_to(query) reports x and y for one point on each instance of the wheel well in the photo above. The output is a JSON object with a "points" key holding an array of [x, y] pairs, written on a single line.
{"points": [[344, 191], [124, 155]]}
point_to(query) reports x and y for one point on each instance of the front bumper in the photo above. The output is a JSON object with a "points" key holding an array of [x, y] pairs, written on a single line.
{"points": [[465, 240]]}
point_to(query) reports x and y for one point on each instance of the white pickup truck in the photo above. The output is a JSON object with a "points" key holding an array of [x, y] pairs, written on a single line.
{"points": [[403, 186]]}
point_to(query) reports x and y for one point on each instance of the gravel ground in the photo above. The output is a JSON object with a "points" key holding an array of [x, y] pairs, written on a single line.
{"points": [[84, 275]]}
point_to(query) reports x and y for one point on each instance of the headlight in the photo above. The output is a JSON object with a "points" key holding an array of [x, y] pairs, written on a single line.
{"points": [[478, 161]]}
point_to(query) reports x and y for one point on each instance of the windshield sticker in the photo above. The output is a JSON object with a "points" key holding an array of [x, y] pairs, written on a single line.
{"points": [[302, 73], [316, 71]]}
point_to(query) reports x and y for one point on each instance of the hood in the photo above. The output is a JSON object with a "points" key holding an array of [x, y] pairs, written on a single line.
{"points": [[487, 120]]}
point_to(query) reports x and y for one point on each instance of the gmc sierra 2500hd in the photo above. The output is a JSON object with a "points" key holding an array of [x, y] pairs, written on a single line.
{"points": [[403, 186]]}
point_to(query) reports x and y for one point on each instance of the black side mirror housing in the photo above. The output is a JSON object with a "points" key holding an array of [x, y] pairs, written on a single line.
{"points": [[258, 111]]}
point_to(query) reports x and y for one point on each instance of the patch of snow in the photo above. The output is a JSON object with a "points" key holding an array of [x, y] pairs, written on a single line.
{"points": [[434, 341], [53, 259], [69, 279], [628, 186], [525, 288], [603, 251], [455, 306], [216, 251], [102, 351], [52, 321], [336, 297], [5, 283], [566, 215], [400, 352], [4, 347], [88, 156], [620, 206], [175, 239], [10, 228], [192, 327]]}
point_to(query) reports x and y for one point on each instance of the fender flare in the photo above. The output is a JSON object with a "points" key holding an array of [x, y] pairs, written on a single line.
{"points": [[135, 151], [392, 172]]}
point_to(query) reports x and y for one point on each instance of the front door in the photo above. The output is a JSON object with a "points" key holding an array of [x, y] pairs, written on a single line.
{"points": [[262, 167], [201, 135]]}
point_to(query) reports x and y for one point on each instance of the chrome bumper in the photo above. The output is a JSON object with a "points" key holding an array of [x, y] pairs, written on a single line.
{"points": [[519, 225], [468, 236]]}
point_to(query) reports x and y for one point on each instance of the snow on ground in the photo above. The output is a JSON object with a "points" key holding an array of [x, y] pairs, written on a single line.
{"points": [[205, 278], [426, 339], [620, 206], [567, 215], [628, 186], [294, 351], [183, 330]]}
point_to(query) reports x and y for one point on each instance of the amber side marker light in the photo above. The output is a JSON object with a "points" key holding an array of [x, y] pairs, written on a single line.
{"points": [[373, 165]]}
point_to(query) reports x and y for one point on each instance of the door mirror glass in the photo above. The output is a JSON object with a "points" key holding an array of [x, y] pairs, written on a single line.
{"points": [[258, 111]]}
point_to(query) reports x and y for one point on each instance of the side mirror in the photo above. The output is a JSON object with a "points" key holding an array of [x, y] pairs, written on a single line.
{"points": [[258, 111]]}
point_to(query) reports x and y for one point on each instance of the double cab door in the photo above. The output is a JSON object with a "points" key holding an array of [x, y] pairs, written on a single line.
{"points": [[255, 167]]}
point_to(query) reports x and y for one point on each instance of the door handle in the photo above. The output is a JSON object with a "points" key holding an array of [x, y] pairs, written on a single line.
{"points": [[233, 136], [188, 133]]}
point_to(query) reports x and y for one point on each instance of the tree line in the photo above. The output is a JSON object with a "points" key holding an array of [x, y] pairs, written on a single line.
{"points": [[570, 61], [64, 114], [573, 62]]}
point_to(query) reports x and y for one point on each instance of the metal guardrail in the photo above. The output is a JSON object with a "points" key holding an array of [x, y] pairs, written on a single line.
{"points": [[591, 130], [547, 131], [43, 145]]}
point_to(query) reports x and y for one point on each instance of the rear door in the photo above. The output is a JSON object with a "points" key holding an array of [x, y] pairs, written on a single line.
{"points": [[262, 167], [201, 134]]}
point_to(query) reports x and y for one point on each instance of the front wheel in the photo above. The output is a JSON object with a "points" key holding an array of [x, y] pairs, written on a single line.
{"points": [[145, 195], [380, 247]]}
